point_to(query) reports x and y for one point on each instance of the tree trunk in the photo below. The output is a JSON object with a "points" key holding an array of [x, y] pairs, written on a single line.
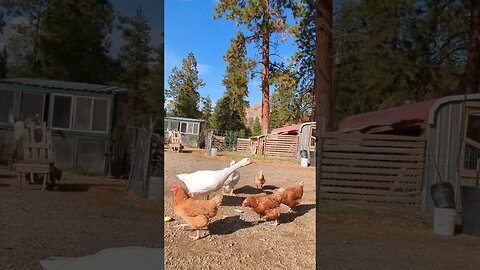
{"points": [[323, 63], [474, 37], [265, 86]]}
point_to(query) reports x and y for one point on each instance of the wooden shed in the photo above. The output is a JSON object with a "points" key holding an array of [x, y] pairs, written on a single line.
{"points": [[87, 120], [377, 156], [189, 128], [396, 155]]}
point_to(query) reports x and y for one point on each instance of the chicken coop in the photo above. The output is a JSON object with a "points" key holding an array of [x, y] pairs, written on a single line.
{"points": [[190, 129], [87, 120], [395, 155]]}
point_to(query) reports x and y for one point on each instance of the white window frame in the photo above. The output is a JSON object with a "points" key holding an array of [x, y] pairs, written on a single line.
{"points": [[107, 119], [90, 128], [13, 103], [44, 95], [52, 102], [186, 129]]}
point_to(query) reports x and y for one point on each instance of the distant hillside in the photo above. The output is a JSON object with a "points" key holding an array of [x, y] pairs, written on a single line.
{"points": [[252, 112]]}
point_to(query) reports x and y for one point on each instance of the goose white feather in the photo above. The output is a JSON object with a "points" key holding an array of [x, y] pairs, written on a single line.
{"points": [[205, 182], [232, 180]]}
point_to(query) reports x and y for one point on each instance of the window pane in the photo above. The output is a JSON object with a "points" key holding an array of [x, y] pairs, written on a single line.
{"points": [[166, 125], [6, 105], [183, 127], [195, 128], [61, 111], [190, 128], [473, 130], [174, 125], [100, 115], [32, 104], [83, 113]]}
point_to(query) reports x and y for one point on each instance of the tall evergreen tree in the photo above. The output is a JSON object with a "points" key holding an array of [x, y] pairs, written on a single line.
{"points": [[24, 44], [135, 56], [230, 109], [207, 113], [74, 40], [184, 85], [262, 19], [154, 96]]}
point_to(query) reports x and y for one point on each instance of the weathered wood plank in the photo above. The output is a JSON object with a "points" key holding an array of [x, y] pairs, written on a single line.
{"points": [[371, 184], [414, 201], [368, 191], [360, 142], [385, 157], [385, 137], [364, 149], [375, 171], [372, 163], [366, 177]]}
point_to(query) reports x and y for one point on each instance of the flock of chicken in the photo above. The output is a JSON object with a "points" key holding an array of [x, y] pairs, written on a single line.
{"points": [[197, 212]]}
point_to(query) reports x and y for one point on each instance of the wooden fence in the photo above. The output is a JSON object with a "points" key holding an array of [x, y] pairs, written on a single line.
{"points": [[243, 145], [372, 167], [279, 145]]}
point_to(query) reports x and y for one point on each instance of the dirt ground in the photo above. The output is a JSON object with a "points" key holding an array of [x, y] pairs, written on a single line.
{"points": [[234, 242], [86, 215], [366, 236]]}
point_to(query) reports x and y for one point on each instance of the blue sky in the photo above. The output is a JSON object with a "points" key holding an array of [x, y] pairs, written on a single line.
{"points": [[190, 27]]}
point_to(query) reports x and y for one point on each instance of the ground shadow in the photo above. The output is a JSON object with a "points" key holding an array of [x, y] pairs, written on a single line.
{"points": [[229, 225], [249, 190], [4, 185], [7, 176], [232, 200], [298, 211], [72, 187], [187, 151], [270, 187], [458, 229]]}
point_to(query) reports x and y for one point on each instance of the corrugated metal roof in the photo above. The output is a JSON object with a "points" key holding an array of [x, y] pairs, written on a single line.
{"points": [[64, 85], [184, 119], [411, 112], [287, 129]]}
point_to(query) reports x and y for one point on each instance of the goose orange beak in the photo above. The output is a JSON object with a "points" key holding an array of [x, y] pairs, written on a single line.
{"points": [[252, 161]]}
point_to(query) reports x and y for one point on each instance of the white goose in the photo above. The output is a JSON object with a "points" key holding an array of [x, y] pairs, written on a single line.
{"points": [[204, 182], [231, 182]]}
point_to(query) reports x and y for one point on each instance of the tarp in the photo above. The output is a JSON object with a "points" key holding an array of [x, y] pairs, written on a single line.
{"points": [[287, 129], [415, 112]]}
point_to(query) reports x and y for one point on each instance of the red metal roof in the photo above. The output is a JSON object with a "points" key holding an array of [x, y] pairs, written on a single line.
{"points": [[410, 112], [286, 129]]}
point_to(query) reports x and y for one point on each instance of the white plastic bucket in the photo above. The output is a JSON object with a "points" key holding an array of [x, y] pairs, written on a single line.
{"points": [[304, 162], [444, 221], [214, 151]]}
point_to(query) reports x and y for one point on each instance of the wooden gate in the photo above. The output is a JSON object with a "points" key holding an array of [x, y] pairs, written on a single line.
{"points": [[280, 145], [372, 167]]}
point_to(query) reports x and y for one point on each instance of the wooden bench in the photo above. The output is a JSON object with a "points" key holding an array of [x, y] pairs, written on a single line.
{"points": [[38, 156]]}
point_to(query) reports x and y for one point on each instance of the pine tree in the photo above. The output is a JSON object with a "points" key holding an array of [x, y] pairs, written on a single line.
{"points": [[207, 113], [262, 19], [230, 109], [24, 44], [256, 130], [285, 109], [184, 85], [154, 96], [74, 40], [135, 56]]}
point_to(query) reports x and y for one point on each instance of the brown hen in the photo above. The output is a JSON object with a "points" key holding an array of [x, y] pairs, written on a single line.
{"points": [[266, 206], [293, 196], [195, 212], [259, 179]]}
